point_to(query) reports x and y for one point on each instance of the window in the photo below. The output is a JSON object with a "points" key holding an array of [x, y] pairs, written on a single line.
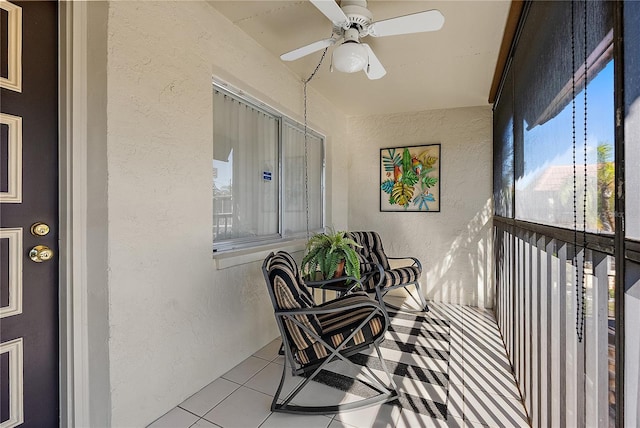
{"points": [[259, 174], [535, 119]]}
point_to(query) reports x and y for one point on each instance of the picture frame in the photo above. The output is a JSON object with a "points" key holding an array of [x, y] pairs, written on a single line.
{"points": [[410, 178]]}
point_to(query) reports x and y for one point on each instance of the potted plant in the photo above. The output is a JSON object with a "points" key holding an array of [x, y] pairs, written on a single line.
{"points": [[332, 254]]}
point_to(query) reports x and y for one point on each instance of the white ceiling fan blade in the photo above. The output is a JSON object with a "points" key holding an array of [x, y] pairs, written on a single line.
{"points": [[430, 20], [331, 10], [308, 49], [374, 70]]}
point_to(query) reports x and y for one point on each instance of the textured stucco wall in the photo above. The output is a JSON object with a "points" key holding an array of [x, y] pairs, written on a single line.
{"points": [[97, 296], [454, 245], [176, 323]]}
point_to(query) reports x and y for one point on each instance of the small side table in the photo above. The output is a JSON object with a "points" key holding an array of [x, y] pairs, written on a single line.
{"points": [[341, 285]]}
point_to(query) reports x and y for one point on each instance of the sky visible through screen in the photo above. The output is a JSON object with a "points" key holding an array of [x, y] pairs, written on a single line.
{"points": [[550, 177], [551, 143]]}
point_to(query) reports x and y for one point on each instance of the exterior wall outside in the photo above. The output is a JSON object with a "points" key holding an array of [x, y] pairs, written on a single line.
{"points": [[454, 245], [175, 321]]}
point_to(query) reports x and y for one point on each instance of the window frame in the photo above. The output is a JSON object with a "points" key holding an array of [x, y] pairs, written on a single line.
{"points": [[244, 243]]}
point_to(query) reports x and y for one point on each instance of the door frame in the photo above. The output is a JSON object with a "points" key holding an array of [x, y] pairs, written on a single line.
{"points": [[84, 370]]}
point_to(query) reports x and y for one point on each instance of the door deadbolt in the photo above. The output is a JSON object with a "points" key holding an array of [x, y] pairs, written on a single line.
{"points": [[39, 229], [41, 253]]}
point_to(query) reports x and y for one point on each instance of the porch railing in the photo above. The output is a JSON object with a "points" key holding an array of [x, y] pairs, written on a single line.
{"points": [[564, 382]]}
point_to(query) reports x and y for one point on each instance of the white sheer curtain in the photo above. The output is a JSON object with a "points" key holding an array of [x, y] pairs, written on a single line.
{"points": [[294, 205], [245, 153]]}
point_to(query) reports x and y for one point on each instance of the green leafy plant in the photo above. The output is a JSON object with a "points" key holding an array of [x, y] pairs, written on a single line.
{"points": [[325, 251], [606, 187]]}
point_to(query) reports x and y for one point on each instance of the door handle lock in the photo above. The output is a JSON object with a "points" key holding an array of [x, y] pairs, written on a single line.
{"points": [[41, 253], [39, 229]]}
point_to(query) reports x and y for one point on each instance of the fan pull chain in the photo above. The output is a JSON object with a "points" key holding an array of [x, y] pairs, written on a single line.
{"points": [[580, 270], [575, 175], [581, 294], [306, 144], [573, 150]]}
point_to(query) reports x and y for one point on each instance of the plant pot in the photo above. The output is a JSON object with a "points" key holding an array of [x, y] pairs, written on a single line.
{"points": [[339, 270]]}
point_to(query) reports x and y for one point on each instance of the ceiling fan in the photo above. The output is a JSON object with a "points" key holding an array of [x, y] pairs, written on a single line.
{"points": [[353, 21]]}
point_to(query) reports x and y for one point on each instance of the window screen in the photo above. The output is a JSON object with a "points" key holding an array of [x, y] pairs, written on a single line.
{"points": [[544, 88], [503, 151]]}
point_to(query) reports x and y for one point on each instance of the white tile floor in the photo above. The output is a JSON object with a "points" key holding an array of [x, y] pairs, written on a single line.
{"points": [[482, 390]]}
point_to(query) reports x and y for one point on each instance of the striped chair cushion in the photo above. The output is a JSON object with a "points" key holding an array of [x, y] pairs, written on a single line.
{"points": [[402, 275], [393, 277], [371, 252], [290, 294], [287, 258], [336, 327]]}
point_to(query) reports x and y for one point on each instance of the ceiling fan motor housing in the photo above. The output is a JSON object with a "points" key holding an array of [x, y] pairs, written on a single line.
{"points": [[359, 16]]}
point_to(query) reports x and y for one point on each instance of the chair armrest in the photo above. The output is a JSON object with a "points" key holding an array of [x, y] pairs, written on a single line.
{"points": [[416, 262]]}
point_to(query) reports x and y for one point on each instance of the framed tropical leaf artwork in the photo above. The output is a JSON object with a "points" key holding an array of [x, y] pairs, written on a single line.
{"points": [[410, 178]]}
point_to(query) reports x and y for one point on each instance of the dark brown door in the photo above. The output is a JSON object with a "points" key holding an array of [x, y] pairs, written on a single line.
{"points": [[29, 394]]}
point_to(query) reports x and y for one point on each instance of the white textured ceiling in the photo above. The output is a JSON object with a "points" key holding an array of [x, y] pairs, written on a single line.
{"points": [[449, 68]]}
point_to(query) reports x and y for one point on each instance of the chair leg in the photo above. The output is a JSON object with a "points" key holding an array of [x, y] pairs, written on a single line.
{"points": [[386, 370], [423, 303], [385, 393], [274, 403], [380, 298]]}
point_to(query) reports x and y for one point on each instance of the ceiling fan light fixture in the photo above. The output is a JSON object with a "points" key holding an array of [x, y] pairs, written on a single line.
{"points": [[350, 57]]}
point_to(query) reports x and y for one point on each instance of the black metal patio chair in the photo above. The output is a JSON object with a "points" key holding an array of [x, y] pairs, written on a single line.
{"points": [[378, 276], [315, 335]]}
